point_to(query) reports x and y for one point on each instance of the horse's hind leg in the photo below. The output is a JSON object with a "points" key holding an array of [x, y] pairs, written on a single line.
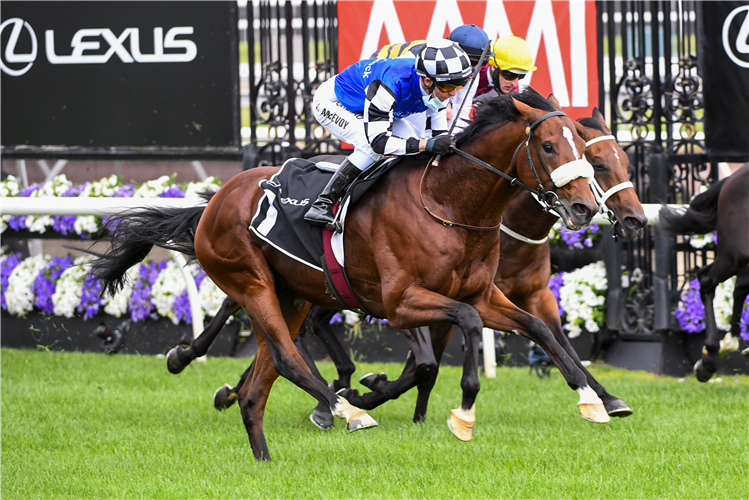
{"points": [[740, 292], [710, 276], [320, 318], [226, 395], [321, 415], [178, 357]]}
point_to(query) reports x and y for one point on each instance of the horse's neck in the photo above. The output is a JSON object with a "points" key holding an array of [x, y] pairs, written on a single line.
{"points": [[474, 194], [524, 215]]}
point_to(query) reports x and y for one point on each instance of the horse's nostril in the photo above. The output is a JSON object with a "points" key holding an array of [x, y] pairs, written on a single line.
{"points": [[634, 222]]}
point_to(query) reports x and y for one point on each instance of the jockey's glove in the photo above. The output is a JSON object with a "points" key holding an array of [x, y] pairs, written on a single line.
{"points": [[439, 145]]}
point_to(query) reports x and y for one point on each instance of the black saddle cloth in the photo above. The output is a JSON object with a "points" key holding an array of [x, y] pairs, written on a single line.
{"points": [[279, 219]]}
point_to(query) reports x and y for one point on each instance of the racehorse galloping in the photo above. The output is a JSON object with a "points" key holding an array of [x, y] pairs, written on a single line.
{"points": [[723, 207], [523, 275], [402, 264]]}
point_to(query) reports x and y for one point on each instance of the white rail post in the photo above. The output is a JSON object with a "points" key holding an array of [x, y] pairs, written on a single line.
{"points": [[490, 355], [196, 307]]}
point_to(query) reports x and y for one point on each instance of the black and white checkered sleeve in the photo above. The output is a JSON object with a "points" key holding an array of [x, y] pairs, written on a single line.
{"points": [[378, 123]]}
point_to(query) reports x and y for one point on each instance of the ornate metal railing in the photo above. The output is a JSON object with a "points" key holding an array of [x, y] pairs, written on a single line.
{"points": [[651, 90], [292, 49]]}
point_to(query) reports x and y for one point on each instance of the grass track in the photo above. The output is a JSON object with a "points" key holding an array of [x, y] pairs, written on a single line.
{"points": [[85, 425]]}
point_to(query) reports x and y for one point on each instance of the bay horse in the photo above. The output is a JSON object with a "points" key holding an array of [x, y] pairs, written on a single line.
{"points": [[723, 207], [401, 264], [523, 274]]}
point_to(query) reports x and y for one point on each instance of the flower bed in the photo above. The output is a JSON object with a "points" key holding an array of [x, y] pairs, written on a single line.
{"points": [[691, 311]]}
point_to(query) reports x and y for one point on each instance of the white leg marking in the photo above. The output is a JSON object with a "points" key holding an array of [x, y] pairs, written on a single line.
{"points": [[588, 396]]}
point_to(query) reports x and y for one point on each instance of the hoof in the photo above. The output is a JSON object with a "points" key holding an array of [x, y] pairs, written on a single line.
{"points": [[322, 419], [173, 363], [461, 423], [224, 397], [594, 412], [370, 379], [617, 408], [359, 422], [703, 375]]}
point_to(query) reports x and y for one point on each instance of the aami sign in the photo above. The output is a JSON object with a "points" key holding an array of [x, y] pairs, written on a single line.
{"points": [[562, 36]]}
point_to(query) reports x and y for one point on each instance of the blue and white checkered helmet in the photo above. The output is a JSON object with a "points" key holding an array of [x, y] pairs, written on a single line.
{"points": [[444, 61]]}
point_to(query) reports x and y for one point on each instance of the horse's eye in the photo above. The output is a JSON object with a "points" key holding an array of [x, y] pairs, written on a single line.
{"points": [[548, 147], [598, 167]]}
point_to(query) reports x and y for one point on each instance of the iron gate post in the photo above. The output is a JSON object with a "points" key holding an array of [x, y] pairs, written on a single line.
{"points": [[659, 184]]}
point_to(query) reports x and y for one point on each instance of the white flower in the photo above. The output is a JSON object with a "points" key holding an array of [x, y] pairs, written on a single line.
{"points": [[103, 187], [154, 188], [69, 287], [700, 240], [723, 304], [582, 293], [19, 298], [194, 188], [168, 286], [86, 224], [211, 297], [350, 317], [9, 187], [117, 305]]}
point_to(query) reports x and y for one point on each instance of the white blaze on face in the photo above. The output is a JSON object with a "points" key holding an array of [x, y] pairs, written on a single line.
{"points": [[568, 135]]}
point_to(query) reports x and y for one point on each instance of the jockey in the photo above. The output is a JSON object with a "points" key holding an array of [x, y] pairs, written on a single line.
{"points": [[512, 60], [364, 104], [472, 40]]}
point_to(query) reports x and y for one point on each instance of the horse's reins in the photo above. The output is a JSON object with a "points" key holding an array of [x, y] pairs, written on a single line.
{"points": [[559, 177]]}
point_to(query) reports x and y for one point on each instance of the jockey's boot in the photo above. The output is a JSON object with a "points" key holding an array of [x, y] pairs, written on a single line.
{"points": [[321, 211]]}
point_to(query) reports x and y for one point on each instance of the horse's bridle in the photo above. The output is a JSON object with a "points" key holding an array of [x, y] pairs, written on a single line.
{"points": [[548, 198]]}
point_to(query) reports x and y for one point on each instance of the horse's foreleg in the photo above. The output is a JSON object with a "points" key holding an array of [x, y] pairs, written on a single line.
{"points": [[440, 334], [501, 314], [740, 292], [418, 306], [178, 357], [226, 395], [543, 305]]}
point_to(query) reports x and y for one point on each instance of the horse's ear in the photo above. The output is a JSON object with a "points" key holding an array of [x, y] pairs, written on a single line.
{"points": [[582, 130], [553, 100], [599, 117], [525, 110]]}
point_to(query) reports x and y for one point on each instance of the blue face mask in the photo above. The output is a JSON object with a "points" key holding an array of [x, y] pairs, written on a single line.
{"points": [[432, 102]]}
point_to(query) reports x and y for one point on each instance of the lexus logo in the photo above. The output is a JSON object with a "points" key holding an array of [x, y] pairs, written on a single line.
{"points": [[86, 46], [741, 44], [9, 55]]}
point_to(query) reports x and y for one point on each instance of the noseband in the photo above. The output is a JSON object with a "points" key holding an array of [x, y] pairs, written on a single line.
{"points": [[601, 195]]}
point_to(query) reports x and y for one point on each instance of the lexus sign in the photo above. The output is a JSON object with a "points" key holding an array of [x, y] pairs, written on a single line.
{"points": [[724, 66], [119, 74]]}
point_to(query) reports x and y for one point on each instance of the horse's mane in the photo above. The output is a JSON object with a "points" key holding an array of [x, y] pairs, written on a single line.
{"points": [[591, 123], [495, 111]]}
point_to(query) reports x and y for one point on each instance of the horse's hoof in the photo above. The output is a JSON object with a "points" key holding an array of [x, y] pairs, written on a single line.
{"points": [[361, 421], [370, 379], [745, 352], [461, 423], [224, 397], [617, 408], [703, 375], [173, 363], [594, 412], [728, 344], [322, 419]]}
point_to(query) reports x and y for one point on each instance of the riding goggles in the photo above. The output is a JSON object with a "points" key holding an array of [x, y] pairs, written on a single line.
{"points": [[509, 75], [451, 85]]}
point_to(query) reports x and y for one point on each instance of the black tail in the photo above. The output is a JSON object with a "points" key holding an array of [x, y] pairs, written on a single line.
{"points": [[700, 218], [134, 232]]}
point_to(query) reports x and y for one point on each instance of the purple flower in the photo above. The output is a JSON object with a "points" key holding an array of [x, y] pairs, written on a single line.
{"points": [[691, 313], [337, 318], [91, 297], [555, 283], [172, 192], [181, 308], [17, 222], [140, 303], [6, 269], [124, 191], [46, 281], [744, 332], [580, 238], [65, 224]]}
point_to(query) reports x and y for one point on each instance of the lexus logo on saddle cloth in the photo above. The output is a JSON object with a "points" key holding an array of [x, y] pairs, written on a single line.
{"points": [[737, 48], [87, 45]]}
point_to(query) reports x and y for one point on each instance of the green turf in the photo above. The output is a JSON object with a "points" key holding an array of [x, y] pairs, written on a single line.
{"points": [[87, 425]]}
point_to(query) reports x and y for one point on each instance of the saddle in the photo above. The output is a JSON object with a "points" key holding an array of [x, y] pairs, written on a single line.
{"points": [[279, 218]]}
